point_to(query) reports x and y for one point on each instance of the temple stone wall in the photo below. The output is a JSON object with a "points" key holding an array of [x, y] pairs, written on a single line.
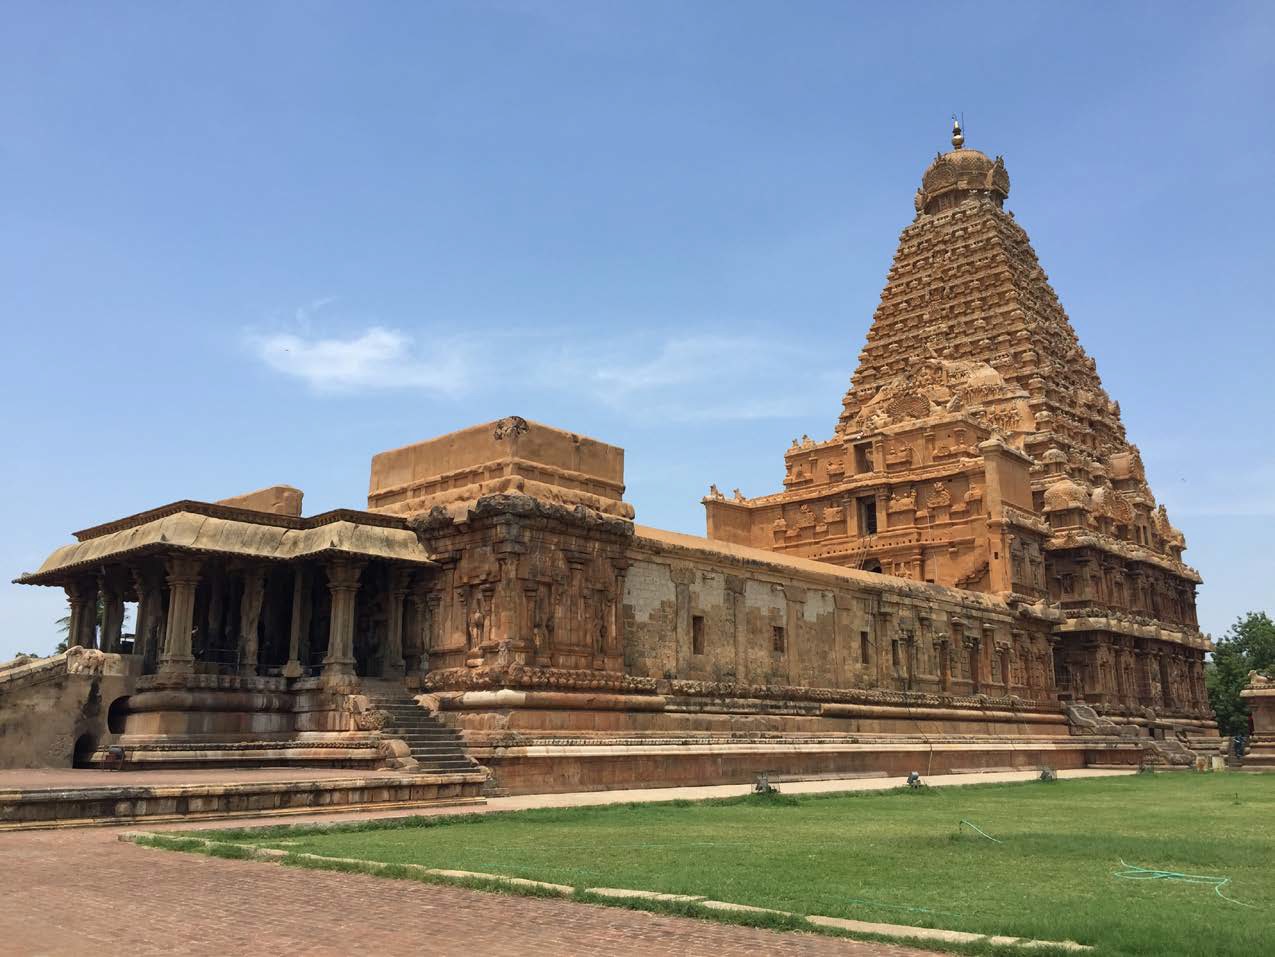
{"points": [[50, 705], [702, 611]]}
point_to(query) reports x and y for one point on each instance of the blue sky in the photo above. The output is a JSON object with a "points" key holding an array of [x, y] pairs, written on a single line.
{"points": [[252, 243]]}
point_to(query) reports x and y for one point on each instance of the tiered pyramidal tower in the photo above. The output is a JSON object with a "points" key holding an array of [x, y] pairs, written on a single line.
{"points": [[977, 448]]}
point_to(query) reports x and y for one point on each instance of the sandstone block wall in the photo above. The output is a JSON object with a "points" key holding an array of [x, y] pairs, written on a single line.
{"points": [[45, 711], [695, 610]]}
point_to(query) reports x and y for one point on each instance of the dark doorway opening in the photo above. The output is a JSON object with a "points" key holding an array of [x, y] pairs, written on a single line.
{"points": [[85, 745], [116, 714]]}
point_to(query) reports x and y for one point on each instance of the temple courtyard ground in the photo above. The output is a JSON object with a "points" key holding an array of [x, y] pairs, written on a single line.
{"points": [[1049, 867]]}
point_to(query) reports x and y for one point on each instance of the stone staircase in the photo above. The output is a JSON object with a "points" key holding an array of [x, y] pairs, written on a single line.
{"points": [[437, 748]]}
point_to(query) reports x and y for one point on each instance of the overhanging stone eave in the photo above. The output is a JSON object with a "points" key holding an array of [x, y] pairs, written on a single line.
{"points": [[181, 531], [1075, 539], [1133, 629]]}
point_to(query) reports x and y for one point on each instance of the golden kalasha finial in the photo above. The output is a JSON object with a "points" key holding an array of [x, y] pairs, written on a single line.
{"points": [[958, 138]]}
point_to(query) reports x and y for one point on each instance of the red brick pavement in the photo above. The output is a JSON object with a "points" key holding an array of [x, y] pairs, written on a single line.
{"points": [[83, 892]]}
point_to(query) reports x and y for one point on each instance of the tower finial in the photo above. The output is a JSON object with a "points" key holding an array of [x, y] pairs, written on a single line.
{"points": [[958, 138]]}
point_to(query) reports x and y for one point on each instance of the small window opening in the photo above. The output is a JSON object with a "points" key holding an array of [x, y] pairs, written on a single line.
{"points": [[868, 515], [778, 639], [894, 652], [865, 650], [863, 458], [697, 634]]}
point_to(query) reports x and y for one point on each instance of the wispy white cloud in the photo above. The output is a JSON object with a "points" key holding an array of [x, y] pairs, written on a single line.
{"points": [[377, 358], [708, 375]]}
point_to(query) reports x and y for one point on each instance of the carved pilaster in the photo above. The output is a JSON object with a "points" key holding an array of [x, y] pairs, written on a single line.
{"points": [[795, 601], [683, 577], [506, 603], [393, 664]]}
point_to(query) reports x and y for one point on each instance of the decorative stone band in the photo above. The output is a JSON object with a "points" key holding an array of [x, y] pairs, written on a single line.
{"points": [[520, 680]]}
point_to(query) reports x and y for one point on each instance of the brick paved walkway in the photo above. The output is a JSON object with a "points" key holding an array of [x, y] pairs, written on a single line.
{"points": [[81, 891], [75, 892]]}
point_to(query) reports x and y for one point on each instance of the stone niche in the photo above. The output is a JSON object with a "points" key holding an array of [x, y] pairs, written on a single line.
{"points": [[508, 456]]}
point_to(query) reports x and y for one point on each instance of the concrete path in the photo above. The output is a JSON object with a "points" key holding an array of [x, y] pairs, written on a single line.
{"points": [[523, 802]]}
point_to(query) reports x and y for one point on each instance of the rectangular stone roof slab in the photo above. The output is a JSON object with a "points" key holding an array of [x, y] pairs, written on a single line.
{"points": [[277, 500], [508, 456]]}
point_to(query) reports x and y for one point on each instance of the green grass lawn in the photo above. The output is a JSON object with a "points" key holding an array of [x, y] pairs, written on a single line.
{"points": [[900, 856]]}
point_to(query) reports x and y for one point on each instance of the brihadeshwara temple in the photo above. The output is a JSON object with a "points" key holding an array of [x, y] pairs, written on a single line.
{"points": [[971, 572]]}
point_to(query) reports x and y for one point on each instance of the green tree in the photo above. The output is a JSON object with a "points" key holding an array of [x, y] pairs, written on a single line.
{"points": [[1249, 645]]}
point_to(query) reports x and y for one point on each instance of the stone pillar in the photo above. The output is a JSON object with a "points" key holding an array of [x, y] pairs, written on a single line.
{"points": [[254, 596], [298, 624], [150, 613], [431, 628], [183, 578], [112, 613], [216, 577], [417, 645], [392, 663], [343, 583], [82, 629]]}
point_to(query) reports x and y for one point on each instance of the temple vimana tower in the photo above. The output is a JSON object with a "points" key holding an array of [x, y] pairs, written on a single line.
{"points": [[971, 572], [976, 448]]}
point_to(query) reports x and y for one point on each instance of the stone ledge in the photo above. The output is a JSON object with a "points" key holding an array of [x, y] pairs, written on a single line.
{"points": [[65, 807]]}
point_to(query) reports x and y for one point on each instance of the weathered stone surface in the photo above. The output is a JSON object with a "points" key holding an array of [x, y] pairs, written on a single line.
{"points": [[511, 455], [277, 500], [977, 448], [973, 550]]}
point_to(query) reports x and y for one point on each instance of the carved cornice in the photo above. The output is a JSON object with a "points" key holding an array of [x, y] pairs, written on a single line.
{"points": [[490, 507]]}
